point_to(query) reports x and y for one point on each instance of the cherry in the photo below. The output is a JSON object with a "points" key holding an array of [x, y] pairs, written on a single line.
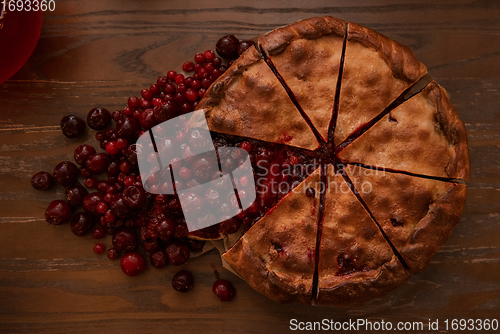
{"points": [[97, 163], [128, 128], [166, 229], [99, 248], [90, 202], [224, 289], [58, 212], [72, 126], [81, 224], [183, 281], [244, 45], [125, 239], [42, 181], [178, 253], [227, 47], [133, 263], [158, 259], [75, 194], [82, 152], [134, 197], [118, 206], [66, 173], [203, 167], [98, 118]]}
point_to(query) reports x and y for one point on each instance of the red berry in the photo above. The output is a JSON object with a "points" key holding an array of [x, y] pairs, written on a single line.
{"points": [[161, 81], [179, 78], [111, 148], [188, 66], [171, 75], [209, 55], [134, 102], [98, 233], [224, 290], [98, 248], [191, 95], [132, 263], [146, 94], [199, 58], [183, 281]]}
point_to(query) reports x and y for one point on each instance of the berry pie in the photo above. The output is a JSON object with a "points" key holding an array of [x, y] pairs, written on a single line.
{"points": [[359, 159]]}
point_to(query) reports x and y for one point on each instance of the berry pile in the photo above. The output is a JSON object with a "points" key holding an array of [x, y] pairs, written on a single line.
{"points": [[106, 183]]}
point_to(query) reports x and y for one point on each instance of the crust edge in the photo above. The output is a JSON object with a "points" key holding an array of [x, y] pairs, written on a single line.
{"points": [[434, 229]]}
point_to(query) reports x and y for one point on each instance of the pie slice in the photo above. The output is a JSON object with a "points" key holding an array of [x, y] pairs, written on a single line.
{"points": [[249, 101], [306, 54], [423, 136], [376, 71], [417, 214], [276, 255], [356, 263]]}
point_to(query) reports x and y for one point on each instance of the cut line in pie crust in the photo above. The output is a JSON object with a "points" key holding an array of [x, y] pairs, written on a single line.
{"points": [[376, 108]]}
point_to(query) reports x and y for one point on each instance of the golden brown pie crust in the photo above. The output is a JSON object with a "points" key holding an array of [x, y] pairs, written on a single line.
{"points": [[434, 143], [409, 207], [348, 232], [424, 136], [376, 71], [248, 100], [307, 55], [276, 255]]}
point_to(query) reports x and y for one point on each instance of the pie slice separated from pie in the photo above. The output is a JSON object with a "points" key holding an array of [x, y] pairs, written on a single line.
{"points": [[355, 263], [249, 101], [276, 256], [416, 214], [376, 70], [423, 135], [306, 54]]}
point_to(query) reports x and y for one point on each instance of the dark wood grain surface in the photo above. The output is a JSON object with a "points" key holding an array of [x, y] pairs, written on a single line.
{"points": [[99, 52]]}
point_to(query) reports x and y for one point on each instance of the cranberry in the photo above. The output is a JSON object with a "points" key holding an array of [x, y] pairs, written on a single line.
{"points": [[66, 173], [98, 233], [134, 102], [147, 118], [224, 289], [133, 263], [98, 118], [72, 126], [158, 259], [183, 281], [58, 212], [134, 197], [97, 163], [227, 47], [42, 181], [75, 194], [81, 224], [244, 45], [199, 58], [99, 248], [124, 239], [185, 173], [178, 253], [90, 202], [82, 152], [112, 253], [166, 229]]}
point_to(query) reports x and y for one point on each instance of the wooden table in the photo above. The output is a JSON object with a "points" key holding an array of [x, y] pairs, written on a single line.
{"points": [[99, 52]]}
